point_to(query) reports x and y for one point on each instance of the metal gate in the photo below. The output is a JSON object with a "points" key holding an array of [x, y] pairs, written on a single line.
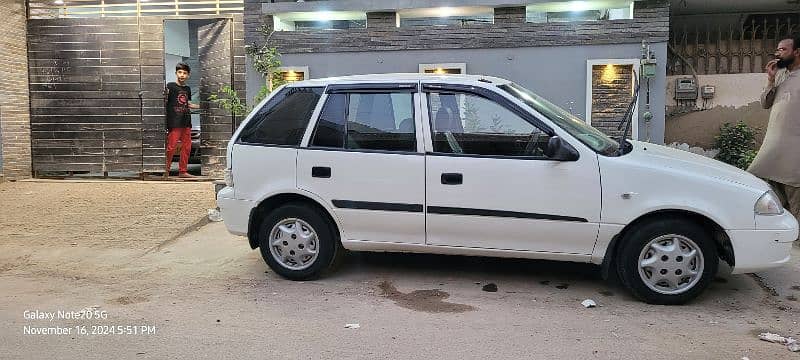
{"points": [[743, 49]]}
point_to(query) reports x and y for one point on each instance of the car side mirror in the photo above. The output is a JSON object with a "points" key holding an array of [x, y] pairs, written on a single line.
{"points": [[559, 150]]}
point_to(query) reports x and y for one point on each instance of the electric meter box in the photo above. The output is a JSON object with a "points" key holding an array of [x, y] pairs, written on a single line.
{"points": [[685, 89], [649, 68], [707, 91]]}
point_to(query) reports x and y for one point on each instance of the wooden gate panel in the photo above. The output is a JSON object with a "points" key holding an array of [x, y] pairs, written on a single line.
{"points": [[214, 43], [152, 81], [84, 87]]}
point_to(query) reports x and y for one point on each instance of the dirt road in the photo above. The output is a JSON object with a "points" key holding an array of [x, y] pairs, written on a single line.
{"points": [[207, 295]]}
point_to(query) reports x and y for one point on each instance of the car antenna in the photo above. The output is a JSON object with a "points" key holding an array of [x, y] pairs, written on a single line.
{"points": [[626, 120]]}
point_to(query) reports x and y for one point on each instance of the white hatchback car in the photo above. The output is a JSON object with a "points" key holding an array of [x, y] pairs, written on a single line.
{"points": [[475, 165]]}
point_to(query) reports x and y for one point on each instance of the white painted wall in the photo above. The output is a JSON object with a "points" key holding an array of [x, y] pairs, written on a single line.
{"points": [[557, 73], [732, 90], [176, 35], [170, 61]]}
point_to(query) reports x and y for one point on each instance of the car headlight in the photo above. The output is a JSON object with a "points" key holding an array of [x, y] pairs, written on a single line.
{"points": [[229, 177], [769, 204]]}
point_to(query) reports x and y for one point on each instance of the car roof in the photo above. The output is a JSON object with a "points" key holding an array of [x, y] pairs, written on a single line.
{"points": [[402, 77]]}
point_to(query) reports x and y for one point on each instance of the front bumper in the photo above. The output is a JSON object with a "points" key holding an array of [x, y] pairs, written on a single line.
{"points": [[757, 250], [235, 213]]}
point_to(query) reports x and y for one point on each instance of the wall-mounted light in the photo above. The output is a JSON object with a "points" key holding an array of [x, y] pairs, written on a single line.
{"points": [[439, 71], [609, 74], [58, 2], [292, 75]]}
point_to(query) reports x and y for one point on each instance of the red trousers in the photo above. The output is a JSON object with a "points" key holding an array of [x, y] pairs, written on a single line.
{"points": [[185, 136]]}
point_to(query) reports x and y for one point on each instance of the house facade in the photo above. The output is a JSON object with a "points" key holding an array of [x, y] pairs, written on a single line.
{"points": [[581, 55], [81, 86]]}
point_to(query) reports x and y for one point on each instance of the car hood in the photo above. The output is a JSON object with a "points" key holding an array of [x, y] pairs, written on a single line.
{"points": [[680, 161]]}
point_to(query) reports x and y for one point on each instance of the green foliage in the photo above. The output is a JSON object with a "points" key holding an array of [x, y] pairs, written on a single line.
{"points": [[266, 60], [262, 93], [736, 144], [228, 99]]}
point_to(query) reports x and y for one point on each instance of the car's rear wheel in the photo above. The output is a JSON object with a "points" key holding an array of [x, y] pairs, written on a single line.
{"points": [[668, 261], [297, 242]]}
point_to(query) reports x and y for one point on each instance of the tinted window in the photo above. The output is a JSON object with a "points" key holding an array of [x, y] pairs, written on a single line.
{"points": [[330, 126], [373, 121], [283, 119], [471, 124]]}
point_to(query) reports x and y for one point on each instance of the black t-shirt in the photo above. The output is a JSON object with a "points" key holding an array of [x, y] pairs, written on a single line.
{"points": [[178, 115]]}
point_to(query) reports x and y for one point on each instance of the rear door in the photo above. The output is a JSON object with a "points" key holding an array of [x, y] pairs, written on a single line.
{"points": [[364, 157], [265, 153]]}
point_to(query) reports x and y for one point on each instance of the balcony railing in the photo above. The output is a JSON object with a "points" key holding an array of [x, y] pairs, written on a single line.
{"points": [[49, 9]]}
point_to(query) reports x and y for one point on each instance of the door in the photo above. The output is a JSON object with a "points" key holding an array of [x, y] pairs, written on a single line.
{"points": [[365, 160], [489, 184], [216, 123]]}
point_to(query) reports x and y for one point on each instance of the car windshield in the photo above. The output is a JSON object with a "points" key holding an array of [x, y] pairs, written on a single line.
{"points": [[576, 127]]}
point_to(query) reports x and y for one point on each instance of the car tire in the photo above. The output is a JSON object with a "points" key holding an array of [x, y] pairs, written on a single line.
{"points": [[298, 242], [667, 261]]}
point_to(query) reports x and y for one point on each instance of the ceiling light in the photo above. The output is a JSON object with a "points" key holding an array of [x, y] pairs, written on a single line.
{"points": [[445, 11], [579, 6], [325, 15], [58, 2]]}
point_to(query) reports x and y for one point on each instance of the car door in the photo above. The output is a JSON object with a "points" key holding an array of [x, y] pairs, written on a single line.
{"points": [[366, 159], [489, 184]]}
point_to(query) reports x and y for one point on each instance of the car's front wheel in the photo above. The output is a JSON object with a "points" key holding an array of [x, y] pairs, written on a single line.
{"points": [[667, 261], [297, 242]]}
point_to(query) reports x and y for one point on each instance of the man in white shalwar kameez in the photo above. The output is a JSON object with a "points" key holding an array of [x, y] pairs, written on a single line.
{"points": [[778, 159]]}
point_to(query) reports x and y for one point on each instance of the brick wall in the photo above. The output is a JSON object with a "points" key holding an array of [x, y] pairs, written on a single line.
{"points": [[253, 19], [651, 21], [509, 15], [611, 95], [382, 19], [14, 104]]}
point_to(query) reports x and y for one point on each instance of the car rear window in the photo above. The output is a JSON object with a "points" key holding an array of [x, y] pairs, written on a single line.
{"points": [[283, 119], [367, 121]]}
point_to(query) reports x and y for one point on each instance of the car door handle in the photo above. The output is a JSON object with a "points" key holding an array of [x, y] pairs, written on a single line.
{"points": [[321, 172], [452, 179]]}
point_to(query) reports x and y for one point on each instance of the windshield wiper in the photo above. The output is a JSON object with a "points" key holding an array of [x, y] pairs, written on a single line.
{"points": [[626, 120]]}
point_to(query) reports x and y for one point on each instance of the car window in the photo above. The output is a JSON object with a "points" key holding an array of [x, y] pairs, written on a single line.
{"points": [[464, 123], [330, 125], [578, 128], [283, 119], [367, 121]]}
